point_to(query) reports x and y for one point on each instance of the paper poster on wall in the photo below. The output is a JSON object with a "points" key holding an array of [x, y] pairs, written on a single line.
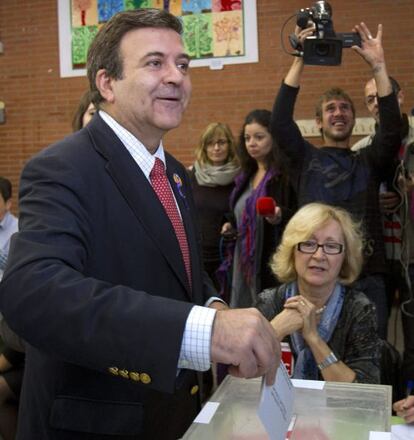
{"points": [[215, 32]]}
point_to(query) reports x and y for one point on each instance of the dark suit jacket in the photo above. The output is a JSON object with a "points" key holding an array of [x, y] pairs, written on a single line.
{"points": [[97, 287]]}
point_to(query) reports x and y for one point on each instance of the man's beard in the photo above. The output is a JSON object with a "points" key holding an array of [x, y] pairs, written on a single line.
{"points": [[338, 137]]}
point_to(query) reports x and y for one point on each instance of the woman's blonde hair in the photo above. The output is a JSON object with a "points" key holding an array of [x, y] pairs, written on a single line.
{"points": [[302, 225], [211, 132]]}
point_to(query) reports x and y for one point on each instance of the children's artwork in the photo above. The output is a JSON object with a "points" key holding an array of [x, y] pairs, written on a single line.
{"points": [[215, 32]]}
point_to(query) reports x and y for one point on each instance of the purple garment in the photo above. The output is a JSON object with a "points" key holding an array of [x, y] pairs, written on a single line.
{"points": [[246, 231], [247, 228]]}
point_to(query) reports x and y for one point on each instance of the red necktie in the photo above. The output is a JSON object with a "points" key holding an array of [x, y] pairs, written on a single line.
{"points": [[163, 190]]}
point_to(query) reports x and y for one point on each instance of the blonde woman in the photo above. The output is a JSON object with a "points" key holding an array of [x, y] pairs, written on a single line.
{"points": [[330, 327], [212, 178]]}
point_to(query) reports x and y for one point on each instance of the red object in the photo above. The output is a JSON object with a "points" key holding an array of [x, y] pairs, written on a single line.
{"points": [[265, 206], [287, 358], [163, 190]]}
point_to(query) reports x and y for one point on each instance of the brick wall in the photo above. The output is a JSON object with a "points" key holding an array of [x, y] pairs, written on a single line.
{"points": [[40, 104]]}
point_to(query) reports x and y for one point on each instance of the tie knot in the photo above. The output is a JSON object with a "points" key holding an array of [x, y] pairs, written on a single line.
{"points": [[158, 168]]}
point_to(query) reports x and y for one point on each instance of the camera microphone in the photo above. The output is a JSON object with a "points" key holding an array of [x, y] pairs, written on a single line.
{"points": [[265, 206]]}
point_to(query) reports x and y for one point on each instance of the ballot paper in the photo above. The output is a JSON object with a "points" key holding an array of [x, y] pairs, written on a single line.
{"points": [[276, 405], [402, 432]]}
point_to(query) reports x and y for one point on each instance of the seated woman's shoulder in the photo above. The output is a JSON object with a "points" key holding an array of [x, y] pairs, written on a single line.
{"points": [[357, 298]]}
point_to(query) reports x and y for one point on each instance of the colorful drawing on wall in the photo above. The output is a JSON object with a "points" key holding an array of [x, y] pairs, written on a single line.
{"points": [[196, 6], [228, 34], [212, 29], [108, 8], [84, 13], [226, 5], [197, 37]]}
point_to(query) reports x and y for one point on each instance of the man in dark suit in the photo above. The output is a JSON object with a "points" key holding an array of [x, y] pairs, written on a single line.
{"points": [[113, 304]]}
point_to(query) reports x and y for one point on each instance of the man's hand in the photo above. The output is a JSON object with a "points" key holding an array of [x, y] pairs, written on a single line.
{"points": [[218, 305], [371, 49], [292, 78], [388, 202], [372, 52], [245, 340], [405, 409], [406, 184]]}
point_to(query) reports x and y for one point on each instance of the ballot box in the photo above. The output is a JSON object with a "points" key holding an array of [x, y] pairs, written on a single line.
{"points": [[336, 411]]}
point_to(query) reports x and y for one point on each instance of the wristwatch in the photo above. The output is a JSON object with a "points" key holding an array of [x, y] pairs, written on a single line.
{"points": [[329, 360]]}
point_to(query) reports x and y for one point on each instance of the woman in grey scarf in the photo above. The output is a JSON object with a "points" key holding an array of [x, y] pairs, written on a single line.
{"points": [[212, 178]]}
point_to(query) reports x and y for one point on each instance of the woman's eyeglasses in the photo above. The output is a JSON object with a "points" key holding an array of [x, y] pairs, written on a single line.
{"points": [[219, 142], [310, 247]]}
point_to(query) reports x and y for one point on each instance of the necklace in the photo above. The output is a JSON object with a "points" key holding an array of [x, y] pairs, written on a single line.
{"points": [[321, 310]]}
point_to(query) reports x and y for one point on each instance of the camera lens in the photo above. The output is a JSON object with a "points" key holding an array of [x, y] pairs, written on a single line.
{"points": [[322, 49]]}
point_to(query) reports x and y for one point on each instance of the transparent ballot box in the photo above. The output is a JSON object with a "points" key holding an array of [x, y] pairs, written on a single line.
{"points": [[339, 411]]}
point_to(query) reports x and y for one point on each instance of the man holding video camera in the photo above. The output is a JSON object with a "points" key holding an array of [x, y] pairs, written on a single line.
{"points": [[333, 173]]}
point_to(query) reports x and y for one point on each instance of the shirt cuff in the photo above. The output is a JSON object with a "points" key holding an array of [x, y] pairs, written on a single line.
{"points": [[212, 299], [196, 343]]}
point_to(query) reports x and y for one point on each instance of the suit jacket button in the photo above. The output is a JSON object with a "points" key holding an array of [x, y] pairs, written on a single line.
{"points": [[114, 371], [194, 390], [124, 374], [145, 378], [134, 376]]}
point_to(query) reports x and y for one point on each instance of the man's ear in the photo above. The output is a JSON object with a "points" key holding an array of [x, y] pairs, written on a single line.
{"points": [[400, 97], [318, 122], [8, 205], [103, 83]]}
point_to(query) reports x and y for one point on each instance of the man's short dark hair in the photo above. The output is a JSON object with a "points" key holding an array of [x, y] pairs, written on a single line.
{"points": [[5, 188], [394, 84], [333, 93], [104, 50]]}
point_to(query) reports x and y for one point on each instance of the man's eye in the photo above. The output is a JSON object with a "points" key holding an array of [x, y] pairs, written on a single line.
{"points": [[154, 63], [184, 67]]}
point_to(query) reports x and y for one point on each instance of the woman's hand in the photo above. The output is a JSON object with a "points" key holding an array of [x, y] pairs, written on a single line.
{"points": [[228, 231], [307, 311], [276, 218], [405, 409], [287, 322]]}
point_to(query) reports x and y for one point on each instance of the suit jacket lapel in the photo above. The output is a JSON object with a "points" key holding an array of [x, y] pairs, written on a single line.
{"points": [[139, 194]]}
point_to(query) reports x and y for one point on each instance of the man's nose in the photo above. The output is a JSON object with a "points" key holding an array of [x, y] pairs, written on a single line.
{"points": [[173, 74]]}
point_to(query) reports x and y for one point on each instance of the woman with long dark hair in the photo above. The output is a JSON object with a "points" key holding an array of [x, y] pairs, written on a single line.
{"points": [[256, 236]]}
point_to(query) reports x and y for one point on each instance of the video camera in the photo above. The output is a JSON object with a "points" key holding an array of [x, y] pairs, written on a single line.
{"points": [[325, 47]]}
